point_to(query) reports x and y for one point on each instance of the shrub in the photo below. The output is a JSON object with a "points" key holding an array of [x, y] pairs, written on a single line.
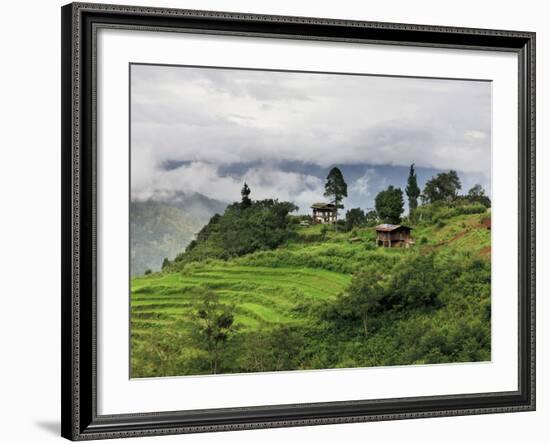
{"points": [[415, 283], [360, 300], [275, 349], [354, 218], [476, 208]]}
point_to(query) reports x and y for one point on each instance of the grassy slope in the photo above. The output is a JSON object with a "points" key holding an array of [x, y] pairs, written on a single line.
{"points": [[260, 294], [267, 288]]}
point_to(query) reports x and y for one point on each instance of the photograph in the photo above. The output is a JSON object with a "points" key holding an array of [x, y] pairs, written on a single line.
{"points": [[284, 218], [293, 221]]}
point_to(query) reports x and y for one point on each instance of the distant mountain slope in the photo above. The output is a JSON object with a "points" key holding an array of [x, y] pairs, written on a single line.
{"points": [[196, 205], [160, 229]]}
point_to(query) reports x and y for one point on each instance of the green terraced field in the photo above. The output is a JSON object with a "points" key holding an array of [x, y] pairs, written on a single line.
{"points": [[262, 297]]}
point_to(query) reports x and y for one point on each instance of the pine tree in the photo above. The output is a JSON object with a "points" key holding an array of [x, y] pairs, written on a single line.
{"points": [[336, 188], [245, 193], [412, 190]]}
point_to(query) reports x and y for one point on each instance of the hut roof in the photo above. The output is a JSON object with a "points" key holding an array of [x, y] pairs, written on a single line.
{"points": [[323, 206], [390, 227]]}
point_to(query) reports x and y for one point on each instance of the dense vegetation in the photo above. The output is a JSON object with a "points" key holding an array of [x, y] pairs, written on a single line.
{"points": [[259, 291], [242, 229]]}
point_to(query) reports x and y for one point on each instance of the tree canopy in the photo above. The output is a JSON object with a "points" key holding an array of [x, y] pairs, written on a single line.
{"points": [[416, 283], [245, 196], [361, 299], [354, 218], [412, 190], [263, 225], [443, 187], [476, 194], [371, 217], [214, 324], [389, 205], [336, 187]]}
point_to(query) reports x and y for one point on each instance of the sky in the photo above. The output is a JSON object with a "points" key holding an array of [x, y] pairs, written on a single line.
{"points": [[207, 130]]}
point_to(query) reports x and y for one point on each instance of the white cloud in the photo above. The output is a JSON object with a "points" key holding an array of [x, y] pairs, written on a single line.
{"points": [[369, 184], [362, 185], [214, 117], [204, 178], [475, 135]]}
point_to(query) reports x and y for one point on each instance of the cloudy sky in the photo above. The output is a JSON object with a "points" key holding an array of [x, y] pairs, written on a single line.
{"points": [[207, 130]]}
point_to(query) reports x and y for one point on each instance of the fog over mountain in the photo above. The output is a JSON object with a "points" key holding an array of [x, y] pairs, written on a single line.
{"points": [[302, 183], [163, 228], [207, 130]]}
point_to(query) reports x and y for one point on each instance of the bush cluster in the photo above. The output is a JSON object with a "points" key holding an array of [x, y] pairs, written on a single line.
{"points": [[261, 225]]}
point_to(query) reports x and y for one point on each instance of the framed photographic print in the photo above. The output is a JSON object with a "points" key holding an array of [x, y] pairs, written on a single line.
{"points": [[280, 221]]}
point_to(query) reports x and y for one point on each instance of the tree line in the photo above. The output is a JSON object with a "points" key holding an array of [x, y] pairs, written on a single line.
{"points": [[389, 204], [250, 225]]}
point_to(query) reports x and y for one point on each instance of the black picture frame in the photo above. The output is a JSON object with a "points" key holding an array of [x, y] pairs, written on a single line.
{"points": [[80, 420]]}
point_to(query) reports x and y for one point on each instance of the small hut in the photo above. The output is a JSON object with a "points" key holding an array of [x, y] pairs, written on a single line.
{"points": [[389, 235], [324, 213]]}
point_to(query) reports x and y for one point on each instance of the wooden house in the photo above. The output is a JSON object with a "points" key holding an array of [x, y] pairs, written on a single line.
{"points": [[323, 213], [389, 235]]}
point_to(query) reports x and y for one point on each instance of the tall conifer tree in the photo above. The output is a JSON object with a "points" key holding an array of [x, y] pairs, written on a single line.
{"points": [[336, 189], [245, 199], [412, 190]]}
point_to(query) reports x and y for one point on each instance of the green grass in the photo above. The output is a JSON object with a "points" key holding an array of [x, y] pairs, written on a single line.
{"points": [[262, 296], [460, 233]]}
